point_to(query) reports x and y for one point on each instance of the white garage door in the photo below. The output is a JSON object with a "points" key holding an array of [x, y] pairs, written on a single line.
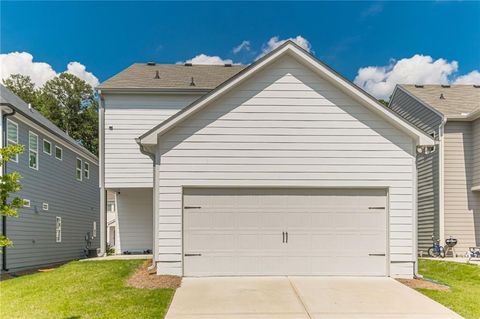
{"points": [[229, 232]]}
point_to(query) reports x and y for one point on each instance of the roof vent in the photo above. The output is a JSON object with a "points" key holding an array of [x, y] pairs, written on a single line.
{"points": [[477, 86], [188, 64], [150, 63], [418, 86], [192, 82], [227, 65], [442, 97], [445, 85], [157, 75]]}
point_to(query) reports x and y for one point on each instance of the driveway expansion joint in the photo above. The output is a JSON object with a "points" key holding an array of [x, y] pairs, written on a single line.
{"points": [[299, 298]]}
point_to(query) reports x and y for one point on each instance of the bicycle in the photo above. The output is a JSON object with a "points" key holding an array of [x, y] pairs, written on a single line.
{"points": [[436, 250]]}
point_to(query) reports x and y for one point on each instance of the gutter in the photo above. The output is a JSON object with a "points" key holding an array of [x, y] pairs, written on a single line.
{"points": [[4, 172], [155, 203], [120, 90]]}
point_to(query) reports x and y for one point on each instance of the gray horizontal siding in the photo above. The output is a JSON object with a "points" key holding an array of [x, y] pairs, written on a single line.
{"points": [[428, 200], [462, 206], [428, 180], [476, 153], [415, 112], [77, 202]]}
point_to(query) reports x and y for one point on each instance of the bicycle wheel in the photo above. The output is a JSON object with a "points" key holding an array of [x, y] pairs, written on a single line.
{"points": [[432, 252]]}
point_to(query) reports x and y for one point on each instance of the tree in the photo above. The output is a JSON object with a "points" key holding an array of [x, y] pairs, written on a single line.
{"points": [[22, 86], [10, 183], [70, 103], [383, 102], [67, 101]]}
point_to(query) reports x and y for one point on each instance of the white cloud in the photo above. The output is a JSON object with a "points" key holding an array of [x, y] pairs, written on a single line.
{"points": [[470, 78], [207, 59], [80, 71], [39, 72], [275, 42], [245, 45], [22, 62], [419, 69]]}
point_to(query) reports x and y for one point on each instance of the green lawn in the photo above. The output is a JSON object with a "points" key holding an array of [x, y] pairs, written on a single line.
{"points": [[464, 282], [80, 290]]}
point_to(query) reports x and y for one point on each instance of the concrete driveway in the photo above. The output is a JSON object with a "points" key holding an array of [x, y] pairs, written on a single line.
{"points": [[301, 298]]}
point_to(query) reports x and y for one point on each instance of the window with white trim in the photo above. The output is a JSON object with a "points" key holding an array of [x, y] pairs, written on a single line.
{"points": [[86, 170], [45, 206], [94, 229], [12, 136], [26, 203], [47, 147], [58, 153], [58, 229], [32, 150], [79, 169]]}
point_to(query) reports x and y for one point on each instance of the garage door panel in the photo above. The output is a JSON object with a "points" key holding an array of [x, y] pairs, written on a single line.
{"points": [[240, 232]]}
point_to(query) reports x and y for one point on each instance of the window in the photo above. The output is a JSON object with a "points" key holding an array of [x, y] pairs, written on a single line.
{"points": [[111, 206], [94, 229], [58, 153], [86, 170], [79, 169], [12, 136], [47, 147], [26, 203], [45, 206], [58, 229], [33, 150]]}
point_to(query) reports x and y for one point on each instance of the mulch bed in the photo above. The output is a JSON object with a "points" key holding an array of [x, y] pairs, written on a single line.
{"points": [[423, 284], [142, 278]]}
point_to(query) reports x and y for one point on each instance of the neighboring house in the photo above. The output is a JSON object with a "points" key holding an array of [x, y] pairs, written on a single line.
{"points": [[60, 187], [111, 220], [279, 168], [449, 175]]}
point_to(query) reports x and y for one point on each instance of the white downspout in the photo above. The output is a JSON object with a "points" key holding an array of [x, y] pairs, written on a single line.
{"points": [[441, 176], [101, 159]]}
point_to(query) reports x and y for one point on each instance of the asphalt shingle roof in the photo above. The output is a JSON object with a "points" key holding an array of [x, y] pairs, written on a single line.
{"points": [[453, 101], [171, 76]]}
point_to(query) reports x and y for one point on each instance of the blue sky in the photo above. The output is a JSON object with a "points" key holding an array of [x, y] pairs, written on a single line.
{"points": [[106, 37]]}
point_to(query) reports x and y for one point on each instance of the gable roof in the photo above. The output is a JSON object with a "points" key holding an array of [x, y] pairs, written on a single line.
{"points": [[143, 77], [453, 101], [289, 47], [11, 100]]}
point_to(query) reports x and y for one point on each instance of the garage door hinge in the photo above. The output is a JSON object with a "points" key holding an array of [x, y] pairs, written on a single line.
{"points": [[192, 255], [192, 207], [376, 254], [376, 207]]}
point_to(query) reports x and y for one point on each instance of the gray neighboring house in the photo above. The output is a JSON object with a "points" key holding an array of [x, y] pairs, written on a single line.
{"points": [[60, 185], [449, 176]]}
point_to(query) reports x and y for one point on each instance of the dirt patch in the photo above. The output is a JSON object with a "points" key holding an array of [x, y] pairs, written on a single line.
{"points": [[142, 278], [423, 284], [16, 274]]}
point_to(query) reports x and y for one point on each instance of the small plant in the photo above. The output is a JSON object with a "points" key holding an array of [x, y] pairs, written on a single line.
{"points": [[110, 250], [9, 183]]}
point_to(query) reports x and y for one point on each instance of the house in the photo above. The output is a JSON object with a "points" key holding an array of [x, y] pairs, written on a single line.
{"points": [[282, 167], [449, 176], [60, 188]]}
